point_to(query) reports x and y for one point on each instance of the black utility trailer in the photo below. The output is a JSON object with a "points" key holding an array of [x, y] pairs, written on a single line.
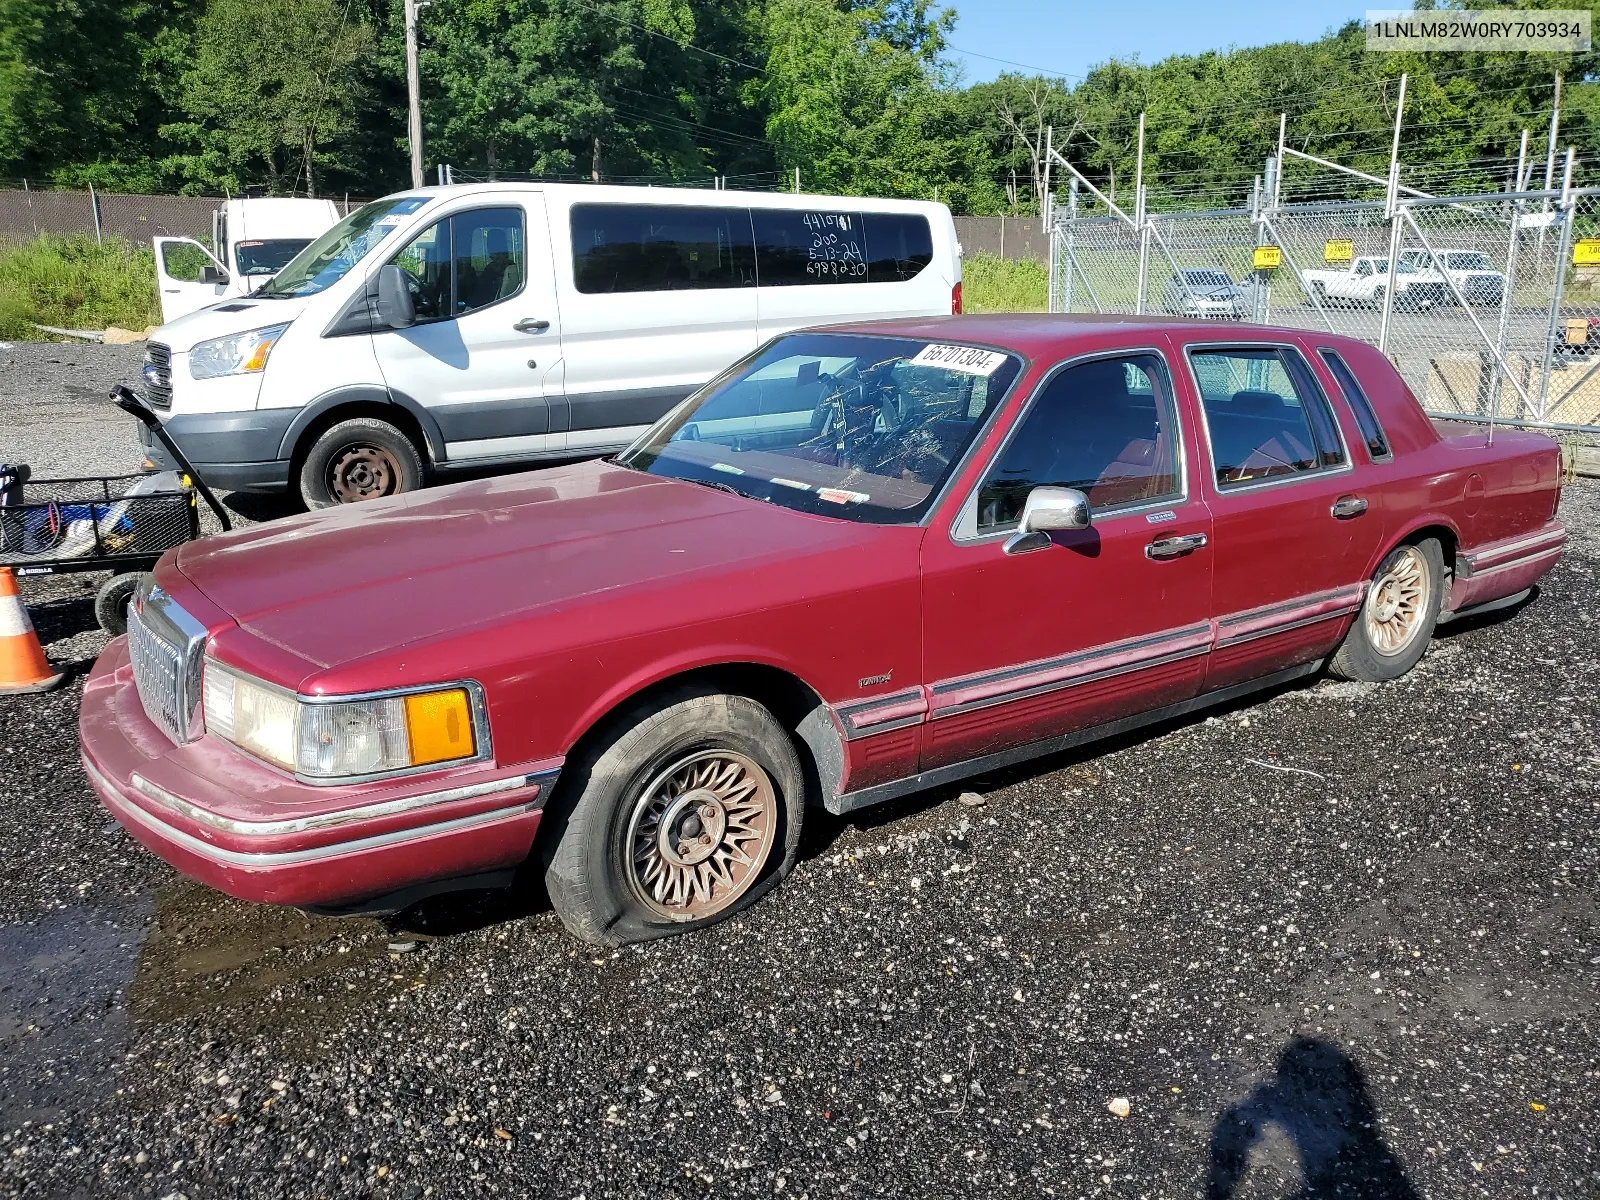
{"points": [[116, 523]]}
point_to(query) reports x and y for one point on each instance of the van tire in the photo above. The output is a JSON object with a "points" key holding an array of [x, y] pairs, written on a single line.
{"points": [[359, 459]]}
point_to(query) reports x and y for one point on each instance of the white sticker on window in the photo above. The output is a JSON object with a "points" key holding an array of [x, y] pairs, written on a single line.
{"points": [[968, 360]]}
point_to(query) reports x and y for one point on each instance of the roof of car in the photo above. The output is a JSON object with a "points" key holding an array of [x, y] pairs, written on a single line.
{"points": [[1049, 334]]}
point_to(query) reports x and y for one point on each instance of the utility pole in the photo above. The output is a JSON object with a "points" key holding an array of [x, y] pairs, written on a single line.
{"points": [[414, 93]]}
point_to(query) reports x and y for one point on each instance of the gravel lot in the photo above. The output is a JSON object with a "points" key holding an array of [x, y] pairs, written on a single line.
{"points": [[1344, 941]]}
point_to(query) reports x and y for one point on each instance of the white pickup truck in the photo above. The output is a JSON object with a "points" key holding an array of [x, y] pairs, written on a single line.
{"points": [[1366, 279], [1472, 271]]}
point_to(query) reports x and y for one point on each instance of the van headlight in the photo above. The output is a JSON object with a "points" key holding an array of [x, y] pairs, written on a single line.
{"points": [[239, 354], [344, 739]]}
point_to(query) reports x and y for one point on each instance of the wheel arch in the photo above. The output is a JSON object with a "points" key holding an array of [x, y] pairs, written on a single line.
{"points": [[796, 705], [345, 403], [1432, 525]]}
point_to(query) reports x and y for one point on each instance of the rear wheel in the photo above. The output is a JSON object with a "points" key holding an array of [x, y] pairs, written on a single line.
{"points": [[359, 459], [688, 813], [1391, 632]]}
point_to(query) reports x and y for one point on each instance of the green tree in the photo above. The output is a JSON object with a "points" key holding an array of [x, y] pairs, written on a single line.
{"points": [[274, 86]]}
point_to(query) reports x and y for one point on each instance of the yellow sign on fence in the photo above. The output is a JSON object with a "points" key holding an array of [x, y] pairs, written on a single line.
{"points": [[1586, 252], [1267, 258], [1338, 252]]}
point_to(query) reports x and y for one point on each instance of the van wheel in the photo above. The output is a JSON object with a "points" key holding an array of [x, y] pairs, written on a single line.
{"points": [[689, 813], [1396, 620], [359, 459]]}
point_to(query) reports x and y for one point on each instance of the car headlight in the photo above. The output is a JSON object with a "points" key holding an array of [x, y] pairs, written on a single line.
{"points": [[239, 354], [342, 739]]}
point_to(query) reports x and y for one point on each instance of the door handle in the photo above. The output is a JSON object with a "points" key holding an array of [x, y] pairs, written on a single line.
{"points": [[531, 325], [1348, 506], [1173, 547]]}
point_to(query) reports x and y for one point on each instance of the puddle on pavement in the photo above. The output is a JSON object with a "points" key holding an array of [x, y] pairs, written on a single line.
{"points": [[63, 1015], [249, 968]]}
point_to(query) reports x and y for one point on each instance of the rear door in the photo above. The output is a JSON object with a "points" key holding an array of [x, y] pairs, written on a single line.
{"points": [[655, 299], [485, 354], [1293, 524], [1095, 624], [188, 277]]}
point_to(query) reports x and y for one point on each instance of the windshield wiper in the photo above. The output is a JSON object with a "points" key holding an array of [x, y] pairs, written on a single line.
{"points": [[720, 486]]}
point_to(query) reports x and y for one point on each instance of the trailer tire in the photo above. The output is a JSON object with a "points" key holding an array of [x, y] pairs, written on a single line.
{"points": [[362, 458], [112, 600]]}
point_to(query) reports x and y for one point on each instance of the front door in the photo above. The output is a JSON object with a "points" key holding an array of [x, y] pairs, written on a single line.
{"points": [[1097, 624], [484, 357], [1293, 527], [188, 277]]}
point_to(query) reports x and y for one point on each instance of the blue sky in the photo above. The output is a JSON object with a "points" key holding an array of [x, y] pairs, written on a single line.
{"points": [[1069, 38]]}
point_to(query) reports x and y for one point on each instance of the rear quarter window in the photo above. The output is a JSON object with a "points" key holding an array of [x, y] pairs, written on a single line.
{"points": [[1377, 442]]}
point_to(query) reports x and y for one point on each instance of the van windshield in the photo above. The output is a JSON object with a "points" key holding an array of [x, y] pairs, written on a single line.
{"points": [[844, 425], [266, 257], [328, 259]]}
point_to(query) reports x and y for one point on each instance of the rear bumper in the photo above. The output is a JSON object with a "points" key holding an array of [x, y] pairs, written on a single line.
{"points": [[252, 832], [1498, 569]]}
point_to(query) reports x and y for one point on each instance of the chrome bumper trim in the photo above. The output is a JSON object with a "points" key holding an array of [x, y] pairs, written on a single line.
{"points": [[289, 858], [328, 820]]}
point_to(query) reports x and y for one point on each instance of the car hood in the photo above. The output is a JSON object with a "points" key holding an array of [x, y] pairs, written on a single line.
{"points": [[347, 583], [235, 314]]}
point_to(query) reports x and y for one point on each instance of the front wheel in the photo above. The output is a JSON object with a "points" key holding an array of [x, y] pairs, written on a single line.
{"points": [[359, 459], [1396, 620], [688, 813]]}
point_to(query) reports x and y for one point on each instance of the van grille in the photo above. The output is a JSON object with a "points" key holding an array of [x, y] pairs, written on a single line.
{"points": [[158, 375]]}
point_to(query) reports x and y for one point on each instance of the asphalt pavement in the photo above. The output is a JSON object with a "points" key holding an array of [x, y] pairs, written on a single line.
{"points": [[1343, 940]]}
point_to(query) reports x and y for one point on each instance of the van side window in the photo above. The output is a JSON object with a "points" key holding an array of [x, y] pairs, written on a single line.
{"points": [[1265, 413], [489, 257], [660, 248], [899, 246], [464, 263], [1366, 420], [804, 246]]}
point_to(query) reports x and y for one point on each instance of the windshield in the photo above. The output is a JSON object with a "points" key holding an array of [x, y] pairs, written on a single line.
{"points": [[327, 260], [266, 257], [1208, 278], [864, 428], [1463, 261]]}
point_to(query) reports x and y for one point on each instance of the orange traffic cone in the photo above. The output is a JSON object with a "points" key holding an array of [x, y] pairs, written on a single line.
{"points": [[22, 663]]}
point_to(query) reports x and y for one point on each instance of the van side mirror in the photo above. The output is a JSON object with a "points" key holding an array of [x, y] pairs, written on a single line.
{"points": [[395, 308], [210, 274], [1048, 510]]}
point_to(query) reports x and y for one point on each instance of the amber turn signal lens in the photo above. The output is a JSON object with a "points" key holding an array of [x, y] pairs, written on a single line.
{"points": [[439, 725]]}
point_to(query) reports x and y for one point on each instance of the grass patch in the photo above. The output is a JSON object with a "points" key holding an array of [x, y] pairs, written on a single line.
{"points": [[990, 283], [75, 283]]}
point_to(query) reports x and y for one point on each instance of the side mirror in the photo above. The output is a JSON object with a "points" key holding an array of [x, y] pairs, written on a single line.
{"points": [[1047, 510], [210, 274], [395, 308]]}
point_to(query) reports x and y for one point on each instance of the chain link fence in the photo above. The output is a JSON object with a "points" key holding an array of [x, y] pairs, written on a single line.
{"points": [[1488, 305]]}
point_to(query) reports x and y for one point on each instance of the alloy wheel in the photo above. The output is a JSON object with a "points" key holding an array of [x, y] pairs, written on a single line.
{"points": [[1397, 602], [699, 834]]}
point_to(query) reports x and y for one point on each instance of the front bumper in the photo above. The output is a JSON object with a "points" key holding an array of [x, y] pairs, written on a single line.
{"points": [[231, 451], [255, 833]]}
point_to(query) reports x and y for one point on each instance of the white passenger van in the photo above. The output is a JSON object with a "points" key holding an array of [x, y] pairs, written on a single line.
{"points": [[251, 240], [500, 324]]}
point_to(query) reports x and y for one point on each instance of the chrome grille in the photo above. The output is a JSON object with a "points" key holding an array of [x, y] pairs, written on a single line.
{"points": [[158, 375], [165, 648]]}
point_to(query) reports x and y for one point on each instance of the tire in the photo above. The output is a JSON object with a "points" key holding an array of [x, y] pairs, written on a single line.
{"points": [[1384, 642], [1319, 291], [612, 881], [1377, 296], [359, 459], [112, 600]]}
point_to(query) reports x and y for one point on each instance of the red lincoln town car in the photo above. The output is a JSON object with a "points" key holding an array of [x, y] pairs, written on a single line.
{"points": [[864, 560]]}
